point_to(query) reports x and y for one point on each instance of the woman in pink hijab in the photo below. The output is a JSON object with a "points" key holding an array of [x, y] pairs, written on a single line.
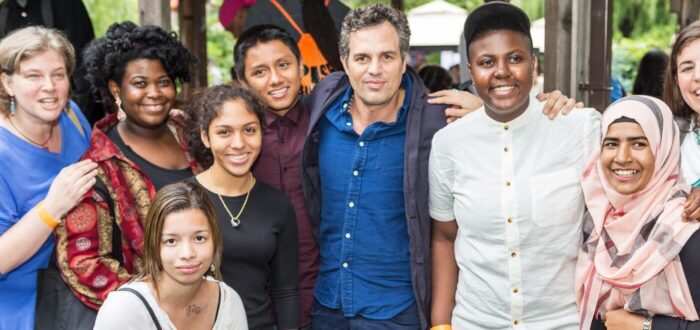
{"points": [[638, 266]]}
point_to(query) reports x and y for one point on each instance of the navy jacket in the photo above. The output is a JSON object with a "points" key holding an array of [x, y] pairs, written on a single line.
{"points": [[423, 121]]}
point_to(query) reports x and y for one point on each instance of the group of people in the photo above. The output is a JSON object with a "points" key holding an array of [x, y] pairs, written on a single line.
{"points": [[354, 207]]}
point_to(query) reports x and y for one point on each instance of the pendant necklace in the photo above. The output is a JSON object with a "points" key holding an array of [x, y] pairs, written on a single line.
{"points": [[44, 145], [235, 221]]}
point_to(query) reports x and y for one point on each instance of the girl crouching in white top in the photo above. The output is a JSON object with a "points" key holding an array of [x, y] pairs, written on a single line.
{"points": [[179, 288]]}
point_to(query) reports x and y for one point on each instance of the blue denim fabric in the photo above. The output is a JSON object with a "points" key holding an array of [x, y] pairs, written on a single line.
{"points": [[365, 266], [324, 318]]}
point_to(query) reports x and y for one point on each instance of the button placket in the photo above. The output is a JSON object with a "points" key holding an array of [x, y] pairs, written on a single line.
{"points": [[509, 209]]}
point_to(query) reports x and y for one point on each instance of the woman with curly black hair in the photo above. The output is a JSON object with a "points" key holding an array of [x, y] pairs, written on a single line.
{"points": [[139, 149]]}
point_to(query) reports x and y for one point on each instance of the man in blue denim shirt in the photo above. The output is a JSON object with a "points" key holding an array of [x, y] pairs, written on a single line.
{"points": [[365, 180]]}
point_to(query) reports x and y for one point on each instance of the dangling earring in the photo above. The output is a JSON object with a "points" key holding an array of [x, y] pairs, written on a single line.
{"points": [[12, 105], [212, 268], [121, 115]]}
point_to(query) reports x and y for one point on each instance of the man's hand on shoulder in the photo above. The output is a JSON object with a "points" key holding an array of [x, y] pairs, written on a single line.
{"points": [[459, 103], [557, 103]]}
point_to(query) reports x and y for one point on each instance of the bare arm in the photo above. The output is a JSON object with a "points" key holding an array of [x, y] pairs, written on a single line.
{"points": [[21, 241], [445, 271]]}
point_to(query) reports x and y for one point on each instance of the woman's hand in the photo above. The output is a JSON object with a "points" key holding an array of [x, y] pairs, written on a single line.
{"points": [[556, 103], [459, 103], [69, 186], [692, 206], [621, 319]]}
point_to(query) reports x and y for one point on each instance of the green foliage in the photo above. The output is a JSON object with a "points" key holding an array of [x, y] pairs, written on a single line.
{"points": [[219, 41], [637, 18], [104, 13], [628, 52], [639, 26]]}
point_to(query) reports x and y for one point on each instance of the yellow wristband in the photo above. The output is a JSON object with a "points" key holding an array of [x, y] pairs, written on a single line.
{"points": [[46, 217], [442, 327]]}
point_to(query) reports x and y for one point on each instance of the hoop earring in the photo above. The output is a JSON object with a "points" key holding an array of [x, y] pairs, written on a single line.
{"points": [[121, 115], [12, 105]]}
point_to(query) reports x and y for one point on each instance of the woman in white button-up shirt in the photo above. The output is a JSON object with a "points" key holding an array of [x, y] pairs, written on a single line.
{"points": [[505, 193]]}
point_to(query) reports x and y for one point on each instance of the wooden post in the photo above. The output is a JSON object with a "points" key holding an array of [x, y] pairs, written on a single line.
{"points": [[155, 12], [193, 34], [597, 85], [578, 38], [558, 39], [686, 10]]}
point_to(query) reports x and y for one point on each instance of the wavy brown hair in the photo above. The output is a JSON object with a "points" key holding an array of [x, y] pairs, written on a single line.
{"points": [[671, 93]]}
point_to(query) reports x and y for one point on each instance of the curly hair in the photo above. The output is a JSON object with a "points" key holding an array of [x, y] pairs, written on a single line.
{"points": [[106, 58], [205, 106], [373, 15]]}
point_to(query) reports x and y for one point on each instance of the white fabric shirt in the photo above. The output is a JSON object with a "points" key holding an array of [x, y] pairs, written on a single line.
{"points": [[123, 310], [514, 191], [690, 158]]}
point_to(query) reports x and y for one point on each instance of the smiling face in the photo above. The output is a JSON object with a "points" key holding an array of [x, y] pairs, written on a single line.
{"points": [[187, 248], [502, 65], [374, 64], [234, 137], [627, 158], [688, 74], [40, 86], [147, 93], [273, 73]]}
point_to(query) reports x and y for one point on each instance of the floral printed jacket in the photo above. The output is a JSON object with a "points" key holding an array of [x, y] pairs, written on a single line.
{"points": [[85, 238]]}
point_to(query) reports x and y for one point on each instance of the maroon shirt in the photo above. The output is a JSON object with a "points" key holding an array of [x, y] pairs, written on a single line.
{"points": [[279, 165]]}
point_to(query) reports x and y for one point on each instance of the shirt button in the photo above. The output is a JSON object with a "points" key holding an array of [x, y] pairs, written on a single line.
{"points": [[505, 127], [515, 290], [347, 235], [507, 183], [362, 143], [355, 173], [510, 220], [513, 254], [345, 265], [516, 322], [351, 204], [506, 149]]}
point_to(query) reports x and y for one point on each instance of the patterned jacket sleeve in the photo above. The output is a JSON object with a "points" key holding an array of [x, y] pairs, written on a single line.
{"points": [[84, 251]]}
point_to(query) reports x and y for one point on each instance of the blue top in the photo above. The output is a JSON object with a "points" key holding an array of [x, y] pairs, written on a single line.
{"points": [[26, 173], [364, 244]]}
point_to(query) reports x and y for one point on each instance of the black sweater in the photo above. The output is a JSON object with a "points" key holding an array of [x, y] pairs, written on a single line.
{"points": [[259, 258]]}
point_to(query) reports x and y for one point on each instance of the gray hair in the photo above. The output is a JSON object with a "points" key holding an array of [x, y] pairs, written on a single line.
{"points": [[372, 15]]}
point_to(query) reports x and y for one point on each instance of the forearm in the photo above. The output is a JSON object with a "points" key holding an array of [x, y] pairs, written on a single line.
{"points": [[445, 274], [21, 241]]}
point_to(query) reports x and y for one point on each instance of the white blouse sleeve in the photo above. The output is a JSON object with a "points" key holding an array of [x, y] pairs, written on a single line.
{"points": [[123, 310]]}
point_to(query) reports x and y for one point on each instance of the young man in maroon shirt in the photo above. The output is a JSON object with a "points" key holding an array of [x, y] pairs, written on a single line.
{"points": [[268, 62]]}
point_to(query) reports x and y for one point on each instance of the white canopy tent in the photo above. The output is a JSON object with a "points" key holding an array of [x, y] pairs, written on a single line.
{"points": [[436, 25], [537, 33]]}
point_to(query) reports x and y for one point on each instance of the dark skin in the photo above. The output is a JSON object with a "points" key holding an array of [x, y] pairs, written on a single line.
{"points": [[501, 65], [147, 94]]}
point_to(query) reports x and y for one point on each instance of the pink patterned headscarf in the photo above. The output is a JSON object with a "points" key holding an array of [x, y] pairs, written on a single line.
{"points": [[630, 255]]}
